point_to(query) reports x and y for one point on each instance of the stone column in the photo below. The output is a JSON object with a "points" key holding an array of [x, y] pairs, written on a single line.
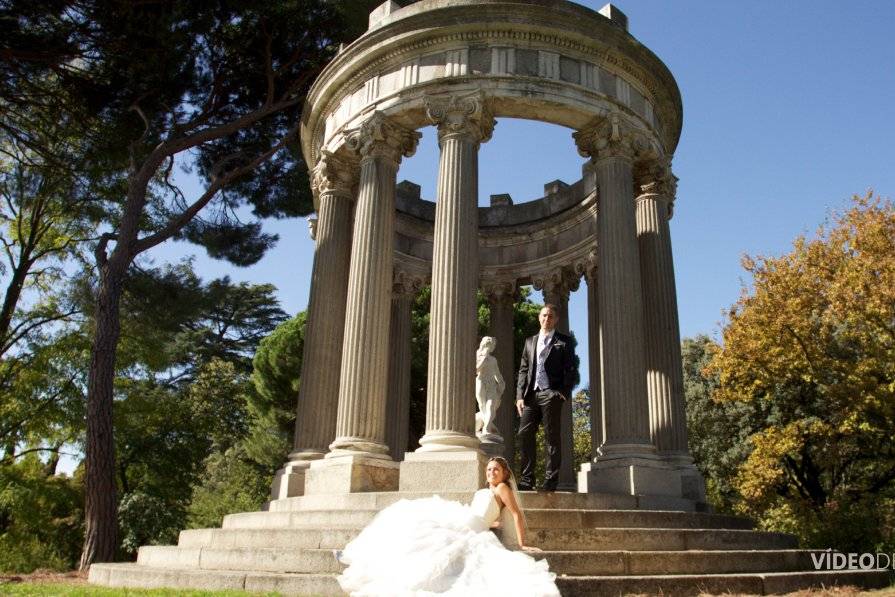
{"points": [[626, 462], [664, 370], [557, 288], [448, 457], [501, 296], [404, 291], [593, 357], [358, 459], [334, 181]]}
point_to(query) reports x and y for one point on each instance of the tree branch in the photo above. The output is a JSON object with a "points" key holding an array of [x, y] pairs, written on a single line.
{"points": [[177, 223]]}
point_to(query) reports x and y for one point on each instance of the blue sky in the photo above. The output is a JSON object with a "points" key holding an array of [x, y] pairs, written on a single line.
{"points": [[789, 109]]}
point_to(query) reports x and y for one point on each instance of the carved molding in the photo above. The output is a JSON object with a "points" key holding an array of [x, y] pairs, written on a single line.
{"points": [[656, 181], [464, 115], [379, 136], [587, 266], [334, 174], [648, 82], [614, 135], [405, 284], [562, 281], [500, 292]]}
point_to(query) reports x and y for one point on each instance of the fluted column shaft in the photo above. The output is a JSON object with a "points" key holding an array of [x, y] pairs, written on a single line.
{"points": [[318, 396], [664, 371], [360, 426], [334, 181], [501, 328], [620, 298], [453, 335], [398, 412], [594, 370]]}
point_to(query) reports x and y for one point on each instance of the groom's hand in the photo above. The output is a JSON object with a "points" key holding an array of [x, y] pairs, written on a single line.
{"points": [[520, 404]]}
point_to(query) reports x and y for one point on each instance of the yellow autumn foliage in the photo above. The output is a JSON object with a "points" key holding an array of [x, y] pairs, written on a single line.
{"points": [[813, 339]]}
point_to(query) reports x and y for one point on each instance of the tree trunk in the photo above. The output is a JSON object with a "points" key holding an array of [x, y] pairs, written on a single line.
{"points": [[53, 461], [101, 504], [11, 299]]}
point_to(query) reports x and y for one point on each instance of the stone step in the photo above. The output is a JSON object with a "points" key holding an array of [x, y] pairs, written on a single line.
{"points": [[529, 499], [135, 575], [255, 559], [650, 539], [608, 563], [619, 563], [767, 583], [536, 517], [593, 539], [304, 538]]}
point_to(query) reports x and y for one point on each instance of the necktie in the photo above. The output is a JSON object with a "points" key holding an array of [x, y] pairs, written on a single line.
{"points": [[541, 380]]}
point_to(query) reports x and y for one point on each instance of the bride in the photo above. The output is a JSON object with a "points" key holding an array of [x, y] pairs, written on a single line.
{"points": [[432, 546]]}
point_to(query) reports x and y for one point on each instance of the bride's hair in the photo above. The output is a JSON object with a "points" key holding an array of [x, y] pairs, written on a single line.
{"points": [[510, 480]]}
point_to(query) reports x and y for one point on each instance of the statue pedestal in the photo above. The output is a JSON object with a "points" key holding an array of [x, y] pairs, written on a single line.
{"points": [[492, 444], [463, 470]]}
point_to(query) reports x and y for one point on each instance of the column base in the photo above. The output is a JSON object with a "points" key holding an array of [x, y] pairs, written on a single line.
{"points": [[630, 476], [491, 444], [443, 471], [448, 441], [351, 474], [692, 481]]}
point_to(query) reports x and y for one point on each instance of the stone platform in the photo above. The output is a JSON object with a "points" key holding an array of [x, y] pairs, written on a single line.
{"points": [[596, 544]]}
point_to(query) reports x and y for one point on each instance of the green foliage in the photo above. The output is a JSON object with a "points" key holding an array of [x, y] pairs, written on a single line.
{"points": [[145, 519], [718, 432], [40, 518], [231, 482], [277, 366], [582, 443]]}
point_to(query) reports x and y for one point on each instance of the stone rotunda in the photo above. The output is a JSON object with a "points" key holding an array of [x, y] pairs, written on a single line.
{"points": [[634, 518], [456, 66]]}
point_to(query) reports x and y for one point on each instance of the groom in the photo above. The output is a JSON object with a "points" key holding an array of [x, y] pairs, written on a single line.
{"points": [[544, 386]]}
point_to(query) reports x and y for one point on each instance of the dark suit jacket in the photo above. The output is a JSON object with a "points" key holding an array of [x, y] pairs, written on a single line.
{"points": [[560, 366]]}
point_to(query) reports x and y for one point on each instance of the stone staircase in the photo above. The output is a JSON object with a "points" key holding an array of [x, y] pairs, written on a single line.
{"points": [[596, 544]]}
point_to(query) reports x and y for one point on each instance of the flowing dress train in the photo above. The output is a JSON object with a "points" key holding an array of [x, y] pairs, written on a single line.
{"points": [[433, 546]]}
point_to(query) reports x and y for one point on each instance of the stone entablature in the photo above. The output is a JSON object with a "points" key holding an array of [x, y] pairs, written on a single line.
{"points": [[546, 60], [522, 242]]}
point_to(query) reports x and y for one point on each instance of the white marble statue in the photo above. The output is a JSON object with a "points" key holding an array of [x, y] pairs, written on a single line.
{"points": [[489, 386]]}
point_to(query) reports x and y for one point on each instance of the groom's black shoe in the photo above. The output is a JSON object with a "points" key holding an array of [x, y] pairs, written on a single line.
{"points": [[548, 488], [522, 487]]}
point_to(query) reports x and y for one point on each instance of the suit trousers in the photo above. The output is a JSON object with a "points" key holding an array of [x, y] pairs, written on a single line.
{"points": [[546, 406]]}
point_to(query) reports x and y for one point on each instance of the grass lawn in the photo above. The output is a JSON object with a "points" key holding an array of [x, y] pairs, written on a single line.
{"points": [[71, 584]]}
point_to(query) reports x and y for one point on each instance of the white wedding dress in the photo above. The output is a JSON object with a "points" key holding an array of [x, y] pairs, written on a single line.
{"points": [[433, 546]]}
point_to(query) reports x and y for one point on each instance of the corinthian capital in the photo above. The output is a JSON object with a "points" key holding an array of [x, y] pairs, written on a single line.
{"points": [[379, 136], [334, 174], [461, 116], [656, 181], [558, 282], [500, 292], [406, 285], [615, 136]]}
